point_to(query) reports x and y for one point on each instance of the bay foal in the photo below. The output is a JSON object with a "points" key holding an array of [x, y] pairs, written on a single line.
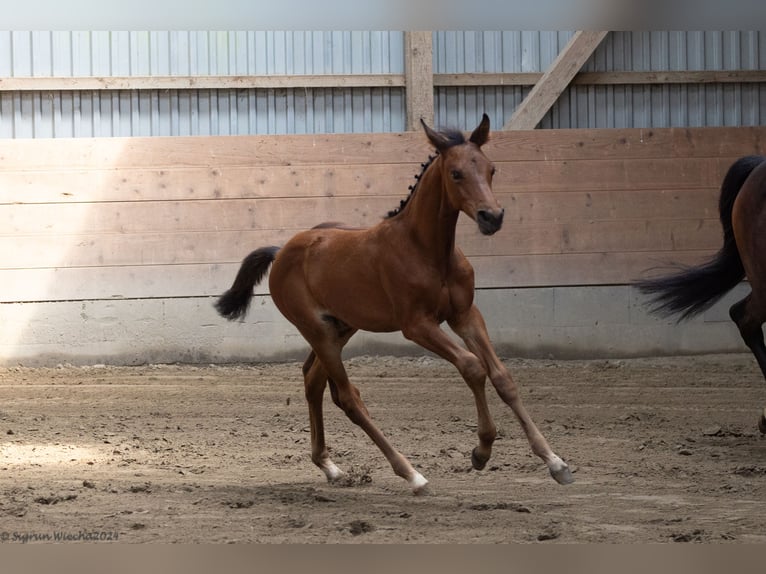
{"points": [[404, 274]]}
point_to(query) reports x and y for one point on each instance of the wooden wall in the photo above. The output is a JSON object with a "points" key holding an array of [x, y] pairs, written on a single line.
{"points": [[134, 218]]}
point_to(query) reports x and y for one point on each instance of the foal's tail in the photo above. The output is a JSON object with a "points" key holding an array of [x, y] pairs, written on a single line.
{"points": [[692, 290], [234, 303]]}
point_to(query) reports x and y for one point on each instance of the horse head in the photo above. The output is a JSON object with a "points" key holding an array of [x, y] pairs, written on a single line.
{"points": [[467, 175]]}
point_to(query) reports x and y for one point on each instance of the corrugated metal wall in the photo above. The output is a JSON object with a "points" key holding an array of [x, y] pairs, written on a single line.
{"points": [[488, 52], [271, 111], [607, 106], [674, 105], [200, 112]]}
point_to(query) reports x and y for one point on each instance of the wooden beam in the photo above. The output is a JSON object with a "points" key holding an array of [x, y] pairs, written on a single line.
{"points": [[201, 82], [555, 80], [671, 77], [604, 78], [322, 81], [418, 66], [469, 80]]}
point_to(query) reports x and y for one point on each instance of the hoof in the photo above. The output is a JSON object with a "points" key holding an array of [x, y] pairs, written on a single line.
{"points": [[337, 479], [762, 422], [477, 462], [332, 472], [422, 490], [418, 484], [562, 475]]}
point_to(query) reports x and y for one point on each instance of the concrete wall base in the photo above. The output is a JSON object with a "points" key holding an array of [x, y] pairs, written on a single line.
{"points": [[555, 322]]}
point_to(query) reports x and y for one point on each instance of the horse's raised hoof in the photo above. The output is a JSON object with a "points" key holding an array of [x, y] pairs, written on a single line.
{"points": [[477, 462], [562, 475], [762, 422]]}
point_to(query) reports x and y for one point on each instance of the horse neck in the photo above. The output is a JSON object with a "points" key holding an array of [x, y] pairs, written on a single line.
{"points": [[430, 219]]}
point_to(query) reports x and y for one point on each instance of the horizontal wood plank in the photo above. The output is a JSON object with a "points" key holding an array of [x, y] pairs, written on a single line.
{"points": [[192, 184], [270, 82], [295, 214], [609, 205], [604, 78], [172, 248], [576, 269], [158, 153], [332, 81], [634, 143], [163, 152], [203, 216]]}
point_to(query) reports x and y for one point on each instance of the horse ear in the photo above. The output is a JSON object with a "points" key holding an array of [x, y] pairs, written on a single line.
{"points": [[436, 139], [480, 135]]}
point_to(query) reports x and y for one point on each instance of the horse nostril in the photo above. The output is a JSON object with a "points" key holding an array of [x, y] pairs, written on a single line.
{"points": [[488, 221], [489, 217]]}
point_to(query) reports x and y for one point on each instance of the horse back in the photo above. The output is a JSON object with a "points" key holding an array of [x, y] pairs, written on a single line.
{"points": [[337, 225]]}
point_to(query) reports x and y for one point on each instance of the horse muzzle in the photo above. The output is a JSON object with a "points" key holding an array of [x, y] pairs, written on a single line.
{"points": [[489, 221]]}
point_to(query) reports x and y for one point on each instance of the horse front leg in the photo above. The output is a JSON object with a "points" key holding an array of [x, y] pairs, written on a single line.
{"points": [[470, 326], [429, 335]]}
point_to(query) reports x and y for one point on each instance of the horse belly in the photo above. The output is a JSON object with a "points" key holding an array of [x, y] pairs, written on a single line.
{"points": [[354, 295], [336, 267]]}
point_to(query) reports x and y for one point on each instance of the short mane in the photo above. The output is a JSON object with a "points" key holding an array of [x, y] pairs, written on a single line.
{"points": [[412, 188], [454, 138]]}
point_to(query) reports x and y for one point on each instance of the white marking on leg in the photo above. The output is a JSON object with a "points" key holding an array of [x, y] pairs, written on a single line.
{"points": [[417, 483], [559, 469], [555, 463], [331, 471]]}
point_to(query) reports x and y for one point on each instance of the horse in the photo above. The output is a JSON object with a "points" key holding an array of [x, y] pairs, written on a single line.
{"points": [[403, 274], [691, 290]]}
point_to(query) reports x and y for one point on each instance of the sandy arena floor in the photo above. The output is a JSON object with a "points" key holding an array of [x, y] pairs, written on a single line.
{"points": [[664, 450]]}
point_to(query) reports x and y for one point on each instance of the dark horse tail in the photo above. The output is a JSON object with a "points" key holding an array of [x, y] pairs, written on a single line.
{"points": [[234, 303], [692, 290]]}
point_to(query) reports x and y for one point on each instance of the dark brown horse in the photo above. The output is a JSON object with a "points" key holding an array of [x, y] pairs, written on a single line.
{"points": [[688, 292], [404, 274]]}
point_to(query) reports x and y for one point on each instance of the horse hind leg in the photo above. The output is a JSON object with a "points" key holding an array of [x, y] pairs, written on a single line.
{"points": [[347, 397], [744, 314], [315, 382], [316, 378]]}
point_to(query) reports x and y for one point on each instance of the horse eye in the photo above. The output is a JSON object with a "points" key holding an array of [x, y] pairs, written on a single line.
{"points": [[492, 173], [456, 175]]}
